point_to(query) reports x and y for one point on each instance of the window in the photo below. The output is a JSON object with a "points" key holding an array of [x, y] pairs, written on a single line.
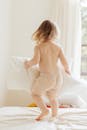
{"points": [[84, 39]]}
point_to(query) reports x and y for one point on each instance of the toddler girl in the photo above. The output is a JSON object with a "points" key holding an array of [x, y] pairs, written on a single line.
{"points": [[46, 55]]}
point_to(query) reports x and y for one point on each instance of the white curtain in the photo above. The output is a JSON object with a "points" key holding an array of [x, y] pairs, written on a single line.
{"points": [[67, 14]]}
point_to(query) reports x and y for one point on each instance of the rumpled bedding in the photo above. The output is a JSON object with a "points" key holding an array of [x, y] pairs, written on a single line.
{"points": [[18, 78], [23, 118]]}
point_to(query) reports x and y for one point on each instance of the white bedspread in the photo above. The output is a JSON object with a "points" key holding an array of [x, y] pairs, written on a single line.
{"points": [[22, 118]]}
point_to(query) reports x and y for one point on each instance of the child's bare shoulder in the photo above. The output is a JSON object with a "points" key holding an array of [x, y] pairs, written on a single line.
{"points": [[36, 46], [57, 46]]}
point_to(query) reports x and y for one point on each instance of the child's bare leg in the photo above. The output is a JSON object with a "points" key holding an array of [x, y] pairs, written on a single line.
{"points": [[53, 101], [38, 100]]}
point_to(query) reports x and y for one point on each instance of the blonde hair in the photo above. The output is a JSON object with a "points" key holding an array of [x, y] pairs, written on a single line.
{"points": [[46, 31]]}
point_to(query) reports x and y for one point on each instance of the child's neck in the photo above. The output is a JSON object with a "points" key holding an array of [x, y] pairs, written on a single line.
{"points": [[47, 42]]}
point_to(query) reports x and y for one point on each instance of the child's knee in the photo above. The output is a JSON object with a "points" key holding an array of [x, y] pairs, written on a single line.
{"points": [[52, 98], [35, 92]]}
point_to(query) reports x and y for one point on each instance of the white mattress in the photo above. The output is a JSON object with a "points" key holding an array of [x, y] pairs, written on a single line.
{"points": [[22, 118]]}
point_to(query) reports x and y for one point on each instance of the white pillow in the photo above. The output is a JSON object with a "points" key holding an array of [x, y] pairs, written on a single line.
{"points": [[71, 99], [18, 76], [19, 80]]}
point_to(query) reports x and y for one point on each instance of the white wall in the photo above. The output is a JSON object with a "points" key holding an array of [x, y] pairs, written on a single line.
{"points": [[18, 20], [5, 30], [27, 15]]}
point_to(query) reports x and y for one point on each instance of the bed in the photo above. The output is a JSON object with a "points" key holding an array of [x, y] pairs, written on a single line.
{"points": [[23, 118], [20, 118]]}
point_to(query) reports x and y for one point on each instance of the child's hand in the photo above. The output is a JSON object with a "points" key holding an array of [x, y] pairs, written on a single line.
{"points": [[67, 71], [26, 65]]}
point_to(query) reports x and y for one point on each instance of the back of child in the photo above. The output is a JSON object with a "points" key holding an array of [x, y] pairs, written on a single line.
{"points": [[47, 54]]}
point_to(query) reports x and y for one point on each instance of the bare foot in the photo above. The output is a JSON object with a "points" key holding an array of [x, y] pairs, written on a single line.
{"points": [[53, 118], [42, 115]]}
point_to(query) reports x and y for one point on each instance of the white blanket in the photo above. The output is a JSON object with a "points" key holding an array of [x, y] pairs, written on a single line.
{"points": [[22, 118]]}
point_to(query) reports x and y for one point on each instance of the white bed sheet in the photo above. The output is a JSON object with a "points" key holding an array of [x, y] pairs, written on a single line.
{"points": [[22, 118]]}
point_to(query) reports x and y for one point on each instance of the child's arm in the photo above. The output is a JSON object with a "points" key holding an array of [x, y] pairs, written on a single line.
{"points": [[64, 61], [35, 60]]}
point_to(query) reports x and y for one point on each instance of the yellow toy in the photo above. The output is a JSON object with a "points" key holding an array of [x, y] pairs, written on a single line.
{"points": [[32, 105]]}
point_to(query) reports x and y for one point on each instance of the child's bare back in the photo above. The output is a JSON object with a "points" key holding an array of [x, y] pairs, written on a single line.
{"points": [[49, 53]]}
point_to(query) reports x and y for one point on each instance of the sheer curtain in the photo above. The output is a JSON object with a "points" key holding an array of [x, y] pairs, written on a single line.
{"points": [[67, 14]]}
